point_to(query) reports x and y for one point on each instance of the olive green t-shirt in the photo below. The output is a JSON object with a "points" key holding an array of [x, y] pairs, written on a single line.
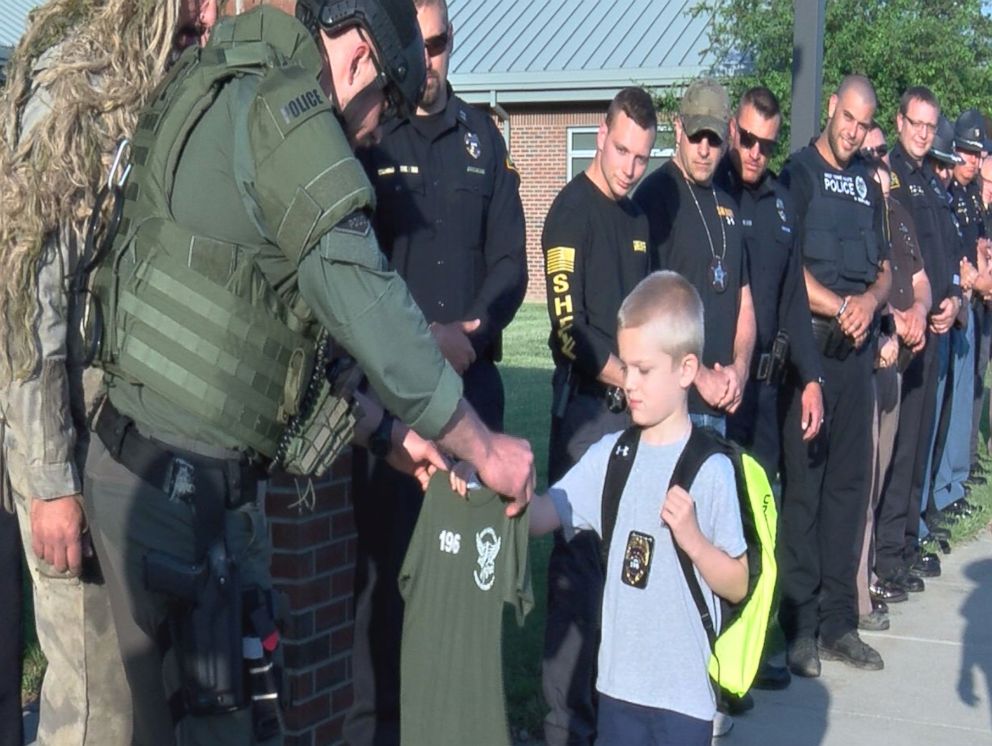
{"points": [[466, 559]]}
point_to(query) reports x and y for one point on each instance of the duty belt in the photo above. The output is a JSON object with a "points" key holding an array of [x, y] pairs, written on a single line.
{"points": [[616, 401], [177, 472]]}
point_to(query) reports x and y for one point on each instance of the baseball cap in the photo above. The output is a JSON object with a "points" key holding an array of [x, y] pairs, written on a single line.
{"points": [[943, 143], [705, 106], [969, 132]]}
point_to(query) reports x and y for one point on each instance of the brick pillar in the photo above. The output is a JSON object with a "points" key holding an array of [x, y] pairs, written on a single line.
{"points": [[313, 562]]}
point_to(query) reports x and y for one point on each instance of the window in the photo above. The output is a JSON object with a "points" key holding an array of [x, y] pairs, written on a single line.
{"points": [[582, 148]]}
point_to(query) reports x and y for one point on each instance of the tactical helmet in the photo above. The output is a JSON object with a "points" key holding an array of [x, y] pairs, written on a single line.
{"points": [[392, 24]]}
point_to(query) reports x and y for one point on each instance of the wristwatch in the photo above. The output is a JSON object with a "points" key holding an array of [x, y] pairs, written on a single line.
{"points": [[381, 439]]}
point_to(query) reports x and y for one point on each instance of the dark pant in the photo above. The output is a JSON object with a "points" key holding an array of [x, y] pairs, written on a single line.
{"points": [[10, 630], [983, 340], [575, 583], [387, 505], [756, 426], [896, 522], [625, 724], [825, 489]]}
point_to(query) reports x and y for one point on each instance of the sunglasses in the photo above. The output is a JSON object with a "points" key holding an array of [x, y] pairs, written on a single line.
{"points": [[712, 138], [876, 153], [437, 44], [748, 139]]}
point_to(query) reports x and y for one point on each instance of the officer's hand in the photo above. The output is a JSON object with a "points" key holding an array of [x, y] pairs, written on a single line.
{"points": [[911, 326], [58, 533], [712, 386], [679, 513], [888, 352], [941, 321], [453, 341], [968, 274], [414, 455], [855, 322], [812, 410], [735, 391], [508, 469]]}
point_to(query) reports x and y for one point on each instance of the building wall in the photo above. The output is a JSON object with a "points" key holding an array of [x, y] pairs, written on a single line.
{"points": [[539, 148]]}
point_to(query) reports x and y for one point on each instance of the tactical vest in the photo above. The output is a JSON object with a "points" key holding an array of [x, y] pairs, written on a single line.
{"points": [[191, 317], [839, 241]]}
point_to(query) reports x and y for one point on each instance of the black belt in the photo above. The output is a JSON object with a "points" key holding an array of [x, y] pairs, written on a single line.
{"points": [[616, 401], [177, 472]]}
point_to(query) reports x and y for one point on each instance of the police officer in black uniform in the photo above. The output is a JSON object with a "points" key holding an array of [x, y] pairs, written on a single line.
{"points": [[781, 306], [826, 483], [450, 220], [595, 244], [915, 187], [970, 140]]}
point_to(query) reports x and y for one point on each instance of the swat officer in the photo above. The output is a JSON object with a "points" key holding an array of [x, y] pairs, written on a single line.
{"points": [[781, 308], [450, 220], [245, 262], [826, 483]]}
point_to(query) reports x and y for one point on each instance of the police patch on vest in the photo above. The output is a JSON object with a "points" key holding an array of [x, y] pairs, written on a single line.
{"points": [[780, 206], [637, 559], [301, 104], [356, 223], [846, 186], [472, 146]]}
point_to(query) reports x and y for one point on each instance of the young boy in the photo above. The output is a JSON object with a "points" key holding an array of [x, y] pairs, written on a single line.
{"points": [[653, 682]]}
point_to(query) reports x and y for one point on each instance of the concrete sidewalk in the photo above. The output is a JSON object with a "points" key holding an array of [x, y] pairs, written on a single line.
{"points": [[935, 689]]}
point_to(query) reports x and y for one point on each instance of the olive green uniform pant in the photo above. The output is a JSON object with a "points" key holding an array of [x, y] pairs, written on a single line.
{"points": [[131, 518], [84, 696]]}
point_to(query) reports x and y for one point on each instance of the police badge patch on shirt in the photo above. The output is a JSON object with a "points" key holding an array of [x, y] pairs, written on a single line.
{"points": [[637, 559], [472, 146]]}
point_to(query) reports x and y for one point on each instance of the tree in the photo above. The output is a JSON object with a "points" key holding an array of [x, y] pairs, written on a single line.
{"points": [[943, 44]]}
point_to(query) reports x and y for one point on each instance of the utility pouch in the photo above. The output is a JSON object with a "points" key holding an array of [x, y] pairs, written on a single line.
{"points": [[326, 421], [830, 338], [205, 626]]}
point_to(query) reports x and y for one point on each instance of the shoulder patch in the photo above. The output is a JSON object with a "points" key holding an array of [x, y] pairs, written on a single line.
{"points": [[291, 96], [511, 166], [356, 223]]}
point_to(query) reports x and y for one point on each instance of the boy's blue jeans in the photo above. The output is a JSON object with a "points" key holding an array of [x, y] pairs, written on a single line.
{"points": [[625, 724]]}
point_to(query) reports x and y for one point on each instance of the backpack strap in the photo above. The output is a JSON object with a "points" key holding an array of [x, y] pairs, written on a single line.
{"points": [[702, 444], [617, 472]]}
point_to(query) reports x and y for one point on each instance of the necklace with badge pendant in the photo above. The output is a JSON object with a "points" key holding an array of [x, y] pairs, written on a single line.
{"points": [[717, 273]]}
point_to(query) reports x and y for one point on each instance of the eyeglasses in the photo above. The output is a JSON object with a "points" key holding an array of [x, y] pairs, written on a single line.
{"points": [[920, 125], [711, 138], [437, 44], [766, 146], [876, 153]]}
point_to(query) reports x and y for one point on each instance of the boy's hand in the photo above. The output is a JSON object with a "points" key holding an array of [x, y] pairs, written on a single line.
{"points": [[679, 514], [461, 475]]}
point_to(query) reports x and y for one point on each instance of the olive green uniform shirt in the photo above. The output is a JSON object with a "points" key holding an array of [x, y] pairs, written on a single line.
{"points": [[220, 179], [466, 559]]}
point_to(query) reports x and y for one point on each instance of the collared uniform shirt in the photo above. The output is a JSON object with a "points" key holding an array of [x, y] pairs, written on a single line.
{"points": [[449, 217], [916, 188], [774, 266]]}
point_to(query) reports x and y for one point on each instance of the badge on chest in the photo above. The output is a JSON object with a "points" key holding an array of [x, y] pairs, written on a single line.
{"points": [[637, 558]]}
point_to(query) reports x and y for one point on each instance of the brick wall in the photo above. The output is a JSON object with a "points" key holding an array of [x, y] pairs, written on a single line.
{"points": [[539, 146], [313, 562]]}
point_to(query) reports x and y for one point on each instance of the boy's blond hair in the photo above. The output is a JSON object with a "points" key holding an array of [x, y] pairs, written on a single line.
{"points": [[669, 301]]}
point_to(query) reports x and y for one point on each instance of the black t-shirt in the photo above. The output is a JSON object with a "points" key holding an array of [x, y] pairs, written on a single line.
{"points": [[595, 252], [679, 242]]}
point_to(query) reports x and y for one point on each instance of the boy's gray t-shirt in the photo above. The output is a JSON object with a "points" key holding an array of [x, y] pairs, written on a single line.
{"points": [[654, 651]]}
